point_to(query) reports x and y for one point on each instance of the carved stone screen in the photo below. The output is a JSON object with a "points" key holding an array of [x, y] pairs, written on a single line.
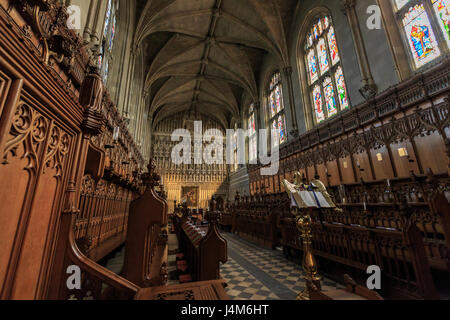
{"points": [[210, 179]]}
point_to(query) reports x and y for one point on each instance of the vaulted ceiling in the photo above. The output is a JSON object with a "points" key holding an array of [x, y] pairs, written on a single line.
{"points": [[204, 55]]}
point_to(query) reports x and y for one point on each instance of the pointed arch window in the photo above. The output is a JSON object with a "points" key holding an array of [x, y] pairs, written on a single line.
{"points": [[252, 136], [277, 118], [327, 87], [235, 148], [109, 34], [425, 27]]}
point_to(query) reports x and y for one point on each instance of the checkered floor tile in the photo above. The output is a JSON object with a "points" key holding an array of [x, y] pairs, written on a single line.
{"points": [[242, 285], [256, 273]]}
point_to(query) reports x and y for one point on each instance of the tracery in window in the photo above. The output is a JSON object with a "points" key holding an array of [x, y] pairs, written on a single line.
{"points": [[109, 34], [425, 25], [252, 140], [442, 11], [327, 88], [235, 147], [277, 118]]}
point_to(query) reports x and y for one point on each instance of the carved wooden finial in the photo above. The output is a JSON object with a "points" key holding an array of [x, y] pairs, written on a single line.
{"points": [[151, 179]]}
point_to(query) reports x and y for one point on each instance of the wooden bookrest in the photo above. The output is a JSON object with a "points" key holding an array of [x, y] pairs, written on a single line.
{"points": [[205, 290]]}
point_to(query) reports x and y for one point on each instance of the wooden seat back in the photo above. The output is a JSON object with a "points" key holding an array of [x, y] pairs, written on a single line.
{"points": [[147, 238]]}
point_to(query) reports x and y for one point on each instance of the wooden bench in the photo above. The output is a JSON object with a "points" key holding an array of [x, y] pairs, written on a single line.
{"points": [[203, 247]]}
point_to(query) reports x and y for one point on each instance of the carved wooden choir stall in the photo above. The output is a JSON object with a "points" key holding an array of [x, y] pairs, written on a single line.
{"points": [[70, 170], [203, 246], [385, 163], [146, 251], [146, 245], [73, 188]]}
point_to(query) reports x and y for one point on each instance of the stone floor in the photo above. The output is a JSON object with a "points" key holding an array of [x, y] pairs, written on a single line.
{"points": [[252, 272], [115, 262], [256, 273]]}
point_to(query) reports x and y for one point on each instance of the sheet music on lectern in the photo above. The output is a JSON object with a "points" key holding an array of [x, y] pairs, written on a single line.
{"points": [[305, 198]]}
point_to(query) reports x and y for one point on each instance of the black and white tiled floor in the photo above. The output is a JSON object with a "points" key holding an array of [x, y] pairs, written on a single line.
{"points": [[252, 272], [256, 273]]}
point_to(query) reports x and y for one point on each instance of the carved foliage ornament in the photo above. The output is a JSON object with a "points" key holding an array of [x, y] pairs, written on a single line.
{"points": [[30, 128], [58, 148], [48, 19]]}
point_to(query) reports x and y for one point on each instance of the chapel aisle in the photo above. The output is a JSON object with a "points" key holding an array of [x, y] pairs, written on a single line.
{"points": [[256, 273]]}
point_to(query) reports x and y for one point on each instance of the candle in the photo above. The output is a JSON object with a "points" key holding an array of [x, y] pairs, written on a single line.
{"points": [[365, 206], [389, 183]]}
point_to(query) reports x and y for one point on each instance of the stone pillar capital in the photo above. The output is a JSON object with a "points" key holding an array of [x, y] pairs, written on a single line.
{"points": [[348, 4]]}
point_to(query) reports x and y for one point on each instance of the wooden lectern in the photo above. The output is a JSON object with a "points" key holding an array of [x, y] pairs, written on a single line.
{"points": [[304, 199]]}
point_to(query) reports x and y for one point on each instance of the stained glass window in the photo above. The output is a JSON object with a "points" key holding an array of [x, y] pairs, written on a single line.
{"points": [[333, 46], [426, 28], [326, 22], [420, 35], [330, 97], [273, 106], [113, 33], [328, 90], [318, 108], [312, 64], [316, 31], [109, 34], [319, 26], [442, 12], [323, 56], [107, 19], [275, 127], [282, 128], [276, 107], [341, 88], [252, 141]]}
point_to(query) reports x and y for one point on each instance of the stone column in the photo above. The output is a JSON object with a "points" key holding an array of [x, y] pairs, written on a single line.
{"points": [[369, 88], [89, 20], [129, 91], [395, 40], [288, 74], [257, 108], [97, 24]]}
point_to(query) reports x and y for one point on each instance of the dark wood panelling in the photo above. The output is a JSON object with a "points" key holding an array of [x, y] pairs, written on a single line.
{"points": [[45, 146]]}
